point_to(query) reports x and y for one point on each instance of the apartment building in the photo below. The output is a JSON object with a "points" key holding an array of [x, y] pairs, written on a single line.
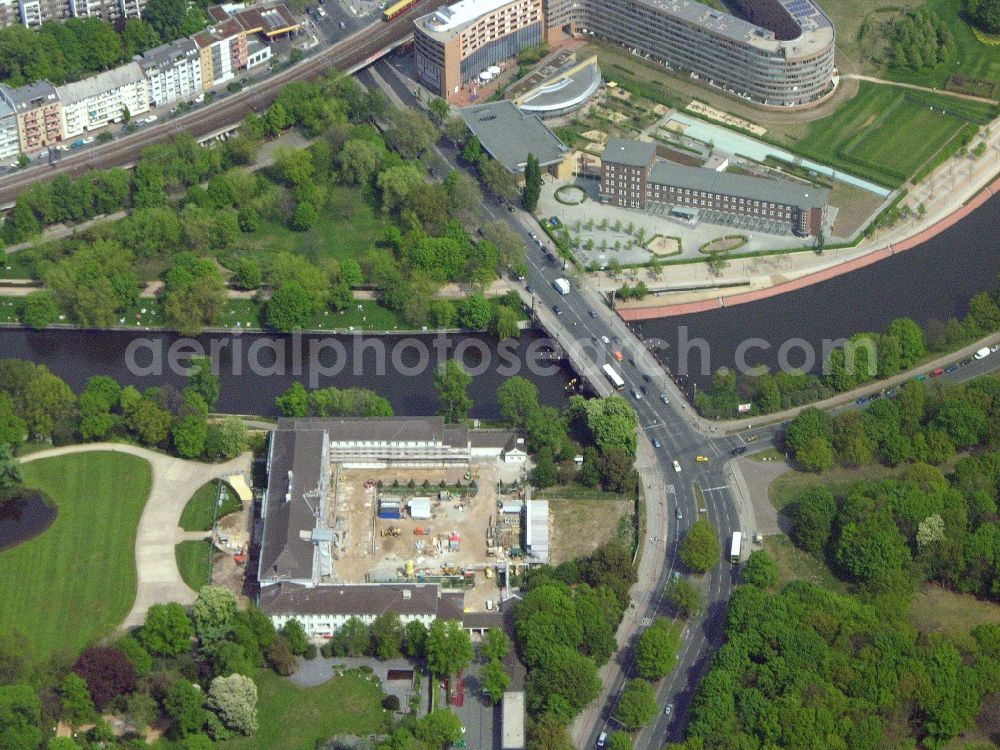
{"points": [[39, 115], [172, 72], [631, 177], [9, 142], [224, 51], [780, 53], [456, 43], [33, 13], [97, 101]]}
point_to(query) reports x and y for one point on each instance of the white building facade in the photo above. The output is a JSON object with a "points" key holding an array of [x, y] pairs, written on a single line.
{"points": [[97, 101], [172, 72], [10, 146]]}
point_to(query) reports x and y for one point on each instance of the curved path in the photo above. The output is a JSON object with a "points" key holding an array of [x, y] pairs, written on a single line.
{"points": [[915, 87], [687, 308], [174, 482]]}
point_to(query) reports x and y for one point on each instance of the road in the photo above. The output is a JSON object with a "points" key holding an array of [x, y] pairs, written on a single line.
{"points": [[226, 111], [583, 319]]}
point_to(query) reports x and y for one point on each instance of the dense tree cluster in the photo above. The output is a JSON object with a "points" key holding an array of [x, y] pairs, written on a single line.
{"points": [[37, 405], [332, 402], [920, 39], [807, 667], [63, 51], [985, 14], [565, 629], [917, 425]]}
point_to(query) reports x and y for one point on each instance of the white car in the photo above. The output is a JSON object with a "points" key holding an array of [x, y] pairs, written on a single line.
{"points": [[638, 396], [664, 399], [605, 340], [677, 467]]}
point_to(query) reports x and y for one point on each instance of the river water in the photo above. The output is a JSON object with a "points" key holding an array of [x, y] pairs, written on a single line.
{"points": [[254, 368], [934, 280]]}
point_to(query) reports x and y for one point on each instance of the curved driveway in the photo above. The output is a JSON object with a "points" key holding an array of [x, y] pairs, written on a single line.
{"points": [[174, 482]]}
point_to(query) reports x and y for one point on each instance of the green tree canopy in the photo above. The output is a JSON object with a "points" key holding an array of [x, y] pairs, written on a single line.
{"points": [[700, 551]]}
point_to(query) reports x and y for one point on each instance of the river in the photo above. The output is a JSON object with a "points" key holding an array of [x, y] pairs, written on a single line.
{"points": [[254, 368], [934, 280]]}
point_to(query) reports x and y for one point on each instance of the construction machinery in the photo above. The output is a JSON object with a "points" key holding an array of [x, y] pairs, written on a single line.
{"points": [[391, 531]]}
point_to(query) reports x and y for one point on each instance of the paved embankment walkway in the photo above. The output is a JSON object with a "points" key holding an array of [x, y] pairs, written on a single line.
{"points": [[174, 482], [914, 240]]}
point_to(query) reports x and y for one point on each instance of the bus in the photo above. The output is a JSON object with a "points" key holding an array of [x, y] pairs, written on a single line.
{"points": [[614, 377], [396, 8], [734, 553]]}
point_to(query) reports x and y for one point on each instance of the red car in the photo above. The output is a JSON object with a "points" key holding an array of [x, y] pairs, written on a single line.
{"points": [[937, 373]]}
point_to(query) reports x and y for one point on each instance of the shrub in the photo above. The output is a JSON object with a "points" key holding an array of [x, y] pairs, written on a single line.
{"points": [[311, 651], [391, 703]]}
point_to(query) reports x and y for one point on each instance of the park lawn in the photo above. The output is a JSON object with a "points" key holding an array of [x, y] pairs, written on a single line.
{"points": [[293, 718], [194, 562], [886, 133], [76, 582], [938, 610], [347, 228], [787, 487], [973, 58], [797, 565], [199, 511]]}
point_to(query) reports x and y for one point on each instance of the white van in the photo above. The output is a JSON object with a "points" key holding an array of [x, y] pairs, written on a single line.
{"points": [[983, 353], [602, 740]]}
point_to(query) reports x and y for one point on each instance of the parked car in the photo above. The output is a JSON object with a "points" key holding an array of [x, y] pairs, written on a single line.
{"points": [[739, 450], [678, 513], [591, 313], [656, 442], [668, 709], [617, 355], [966, 361], [664, 399], [937, 372], [921, 378], [636, 394], [951, 368], [701, 459], [605, 340], [677, 467], [647, 378], [891, 393], [557, 310], [862, 401]]}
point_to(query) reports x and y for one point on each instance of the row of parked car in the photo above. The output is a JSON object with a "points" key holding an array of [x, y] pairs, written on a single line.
{"points": [[935, 373]]}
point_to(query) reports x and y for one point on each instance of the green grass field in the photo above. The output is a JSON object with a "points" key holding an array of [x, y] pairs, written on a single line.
{"points": [[885, 133], [193, 562], [198, 513], [293, 718], [937, 610], [76, 582], [348, 228], [972, 59]]}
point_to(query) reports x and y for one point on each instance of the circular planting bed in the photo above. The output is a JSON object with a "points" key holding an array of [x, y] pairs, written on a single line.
{"points": [[662, 246], [571, 195], [723, 244]]}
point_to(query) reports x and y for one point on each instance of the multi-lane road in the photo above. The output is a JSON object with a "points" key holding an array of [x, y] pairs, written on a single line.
{"points": [[583, 319], [227, 111]]}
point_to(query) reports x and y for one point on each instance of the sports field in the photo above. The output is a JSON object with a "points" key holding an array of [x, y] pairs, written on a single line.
{"points": [[886, 133], [76, 582]]}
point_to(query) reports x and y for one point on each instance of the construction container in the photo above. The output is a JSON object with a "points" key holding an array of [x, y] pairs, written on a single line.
{"points": [[389, 514], [410, 568], [454, 541]]}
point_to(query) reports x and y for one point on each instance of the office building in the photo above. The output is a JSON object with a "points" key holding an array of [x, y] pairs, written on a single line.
{"points": [[631, 177], [779, 53], [458, 43]]}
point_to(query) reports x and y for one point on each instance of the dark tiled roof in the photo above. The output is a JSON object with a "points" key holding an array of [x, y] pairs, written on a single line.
{"points": [[364, 599], [629, 153]]}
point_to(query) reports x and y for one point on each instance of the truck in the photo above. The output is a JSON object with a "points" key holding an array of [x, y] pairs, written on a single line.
{"points": [[737, 548], [561, 286], [983, 353]]}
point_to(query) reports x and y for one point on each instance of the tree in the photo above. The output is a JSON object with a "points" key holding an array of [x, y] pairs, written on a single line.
{"points": [[96, 403], [619, 741], [294, 402], [439, 729], [617, 471], [204, 381], [449, 648], [452, 385], [544, 474], [213, 612], [808, 424], [495, 645], [107, 672], [74, 698], [20, 717], [549, 733], [167, 630], [94, 284], [48, 403], [532, 183], [193, 293], [13, 429], [494, 679], [612, 422], [637, 705], [280, 657], [304, 216], [226, 440], [234, 699], [166, 18], [138, 36], [412, 133], [816, 455], [439, 110], [505, 324], [190, 433], [656, 650], [465, 199], [497, 179], [871, 549], [386, 636], [290, 308], [184, 703], [10, 468], [39, 310], [812, 515], [353, 638], [394, 185], [357, 161], [563, 683], [475, 312], [760, 570], [296, 636], [415, 639], [700, 551], [472, 151], [142, 710], [684, 597]]}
